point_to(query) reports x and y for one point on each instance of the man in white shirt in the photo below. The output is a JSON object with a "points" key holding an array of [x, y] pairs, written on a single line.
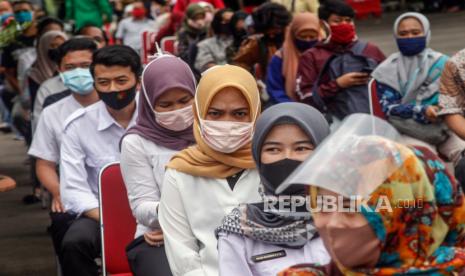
{"points": [[91, 139], [45, 147], [130, 29]]}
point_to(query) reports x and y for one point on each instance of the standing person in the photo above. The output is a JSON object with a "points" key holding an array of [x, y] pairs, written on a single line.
{"points": [[286, 134], [83, 154], [303, 33], [88, 12], [333, 75], [406, 224], [408, 88], [163, 128], [269, 21], [203, 183], [131, 28], [212, 51], [44, 67], [74, 58], [193, 30]]}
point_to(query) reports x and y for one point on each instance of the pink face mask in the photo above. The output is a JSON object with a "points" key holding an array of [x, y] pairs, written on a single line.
{"points": [[224, 136], [175, 120], [356, 247]]}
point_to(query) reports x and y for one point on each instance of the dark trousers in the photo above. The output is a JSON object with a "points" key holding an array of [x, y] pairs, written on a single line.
{"points": [[60, 225], [79, 247], [147, 260]]}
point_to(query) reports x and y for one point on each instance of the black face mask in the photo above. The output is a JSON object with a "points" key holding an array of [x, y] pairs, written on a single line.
{"points": [[225, 29], [275, 174], [118, 99], [277, 39], [53, 54]]}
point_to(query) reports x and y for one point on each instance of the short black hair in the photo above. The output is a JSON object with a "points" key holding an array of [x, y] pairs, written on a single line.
{"points": [[75, 44], [337, 7], [20, 2], [86, 26], [45, 21], [217, 19], [269, 15], [117, 55]]}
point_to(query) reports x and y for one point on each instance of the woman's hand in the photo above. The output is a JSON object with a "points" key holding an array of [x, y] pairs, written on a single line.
{"points": [[432, 113], [154, 238]]}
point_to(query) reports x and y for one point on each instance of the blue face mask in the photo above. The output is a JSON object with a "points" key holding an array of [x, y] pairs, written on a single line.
{"points": [[411, 46], [23, 16], [304, 45], [79, 80]]}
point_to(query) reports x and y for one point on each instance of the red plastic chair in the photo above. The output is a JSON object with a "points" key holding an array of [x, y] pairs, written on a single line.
{"points": [[363, 8], [117, 224], [168, 44], [375, 106]]}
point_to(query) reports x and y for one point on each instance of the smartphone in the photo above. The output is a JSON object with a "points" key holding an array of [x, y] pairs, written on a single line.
{"points": [[367, 70]]}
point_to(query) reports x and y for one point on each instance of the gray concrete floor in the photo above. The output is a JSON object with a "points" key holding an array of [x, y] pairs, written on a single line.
{"points": [[25, 248]]}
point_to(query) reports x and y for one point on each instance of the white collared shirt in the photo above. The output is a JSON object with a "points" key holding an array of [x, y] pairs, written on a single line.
{"points": [[91, 139], [49, 87], [143, 166], [47, 138], [190, 210]]}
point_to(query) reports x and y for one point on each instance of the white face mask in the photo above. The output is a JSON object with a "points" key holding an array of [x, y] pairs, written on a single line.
{"points": [[175, 120], [225, 136]]}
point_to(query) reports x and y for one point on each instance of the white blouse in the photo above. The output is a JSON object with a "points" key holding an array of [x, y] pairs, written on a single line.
{"points": [[246, 257], [143, 167], [190, 210]]}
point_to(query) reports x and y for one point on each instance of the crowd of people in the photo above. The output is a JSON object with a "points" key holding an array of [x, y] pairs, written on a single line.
{"points": [[257, 102]]}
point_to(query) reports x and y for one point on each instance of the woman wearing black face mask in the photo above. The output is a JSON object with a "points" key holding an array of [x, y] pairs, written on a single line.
{"points": [[254, 239], [212, 51], [302, 34], [270, 21]]}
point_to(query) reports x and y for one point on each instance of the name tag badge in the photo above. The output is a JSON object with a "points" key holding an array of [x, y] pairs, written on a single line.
{"points": [[269, 256]]}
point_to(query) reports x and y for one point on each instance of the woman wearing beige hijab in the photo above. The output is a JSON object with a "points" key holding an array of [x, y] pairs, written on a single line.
{"points": [[203, 183]]}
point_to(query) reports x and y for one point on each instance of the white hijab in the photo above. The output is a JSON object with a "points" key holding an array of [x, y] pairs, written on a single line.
{"points": [[408, 74]]}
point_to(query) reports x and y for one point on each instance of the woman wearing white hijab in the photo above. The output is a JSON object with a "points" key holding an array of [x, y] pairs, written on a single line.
{"points": [[407, 84]]}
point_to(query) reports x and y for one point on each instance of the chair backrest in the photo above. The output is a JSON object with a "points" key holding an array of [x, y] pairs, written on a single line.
{"points": [[168, 44], [375, 106], [148, 39], [117, 223]]}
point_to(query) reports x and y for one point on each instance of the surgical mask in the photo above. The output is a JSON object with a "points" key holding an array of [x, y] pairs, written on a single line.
{"points": [[209, 17], [304, 45], [78, 80], [118, 99], [23, 16], [352, 247], [411, 46], [343, 33], [225, 136], [175, 120], [275, 173]]}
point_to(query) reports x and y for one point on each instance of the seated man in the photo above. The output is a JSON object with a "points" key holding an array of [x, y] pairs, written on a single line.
{"points": [[74, 58], [91, 139], [333, 75]]}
